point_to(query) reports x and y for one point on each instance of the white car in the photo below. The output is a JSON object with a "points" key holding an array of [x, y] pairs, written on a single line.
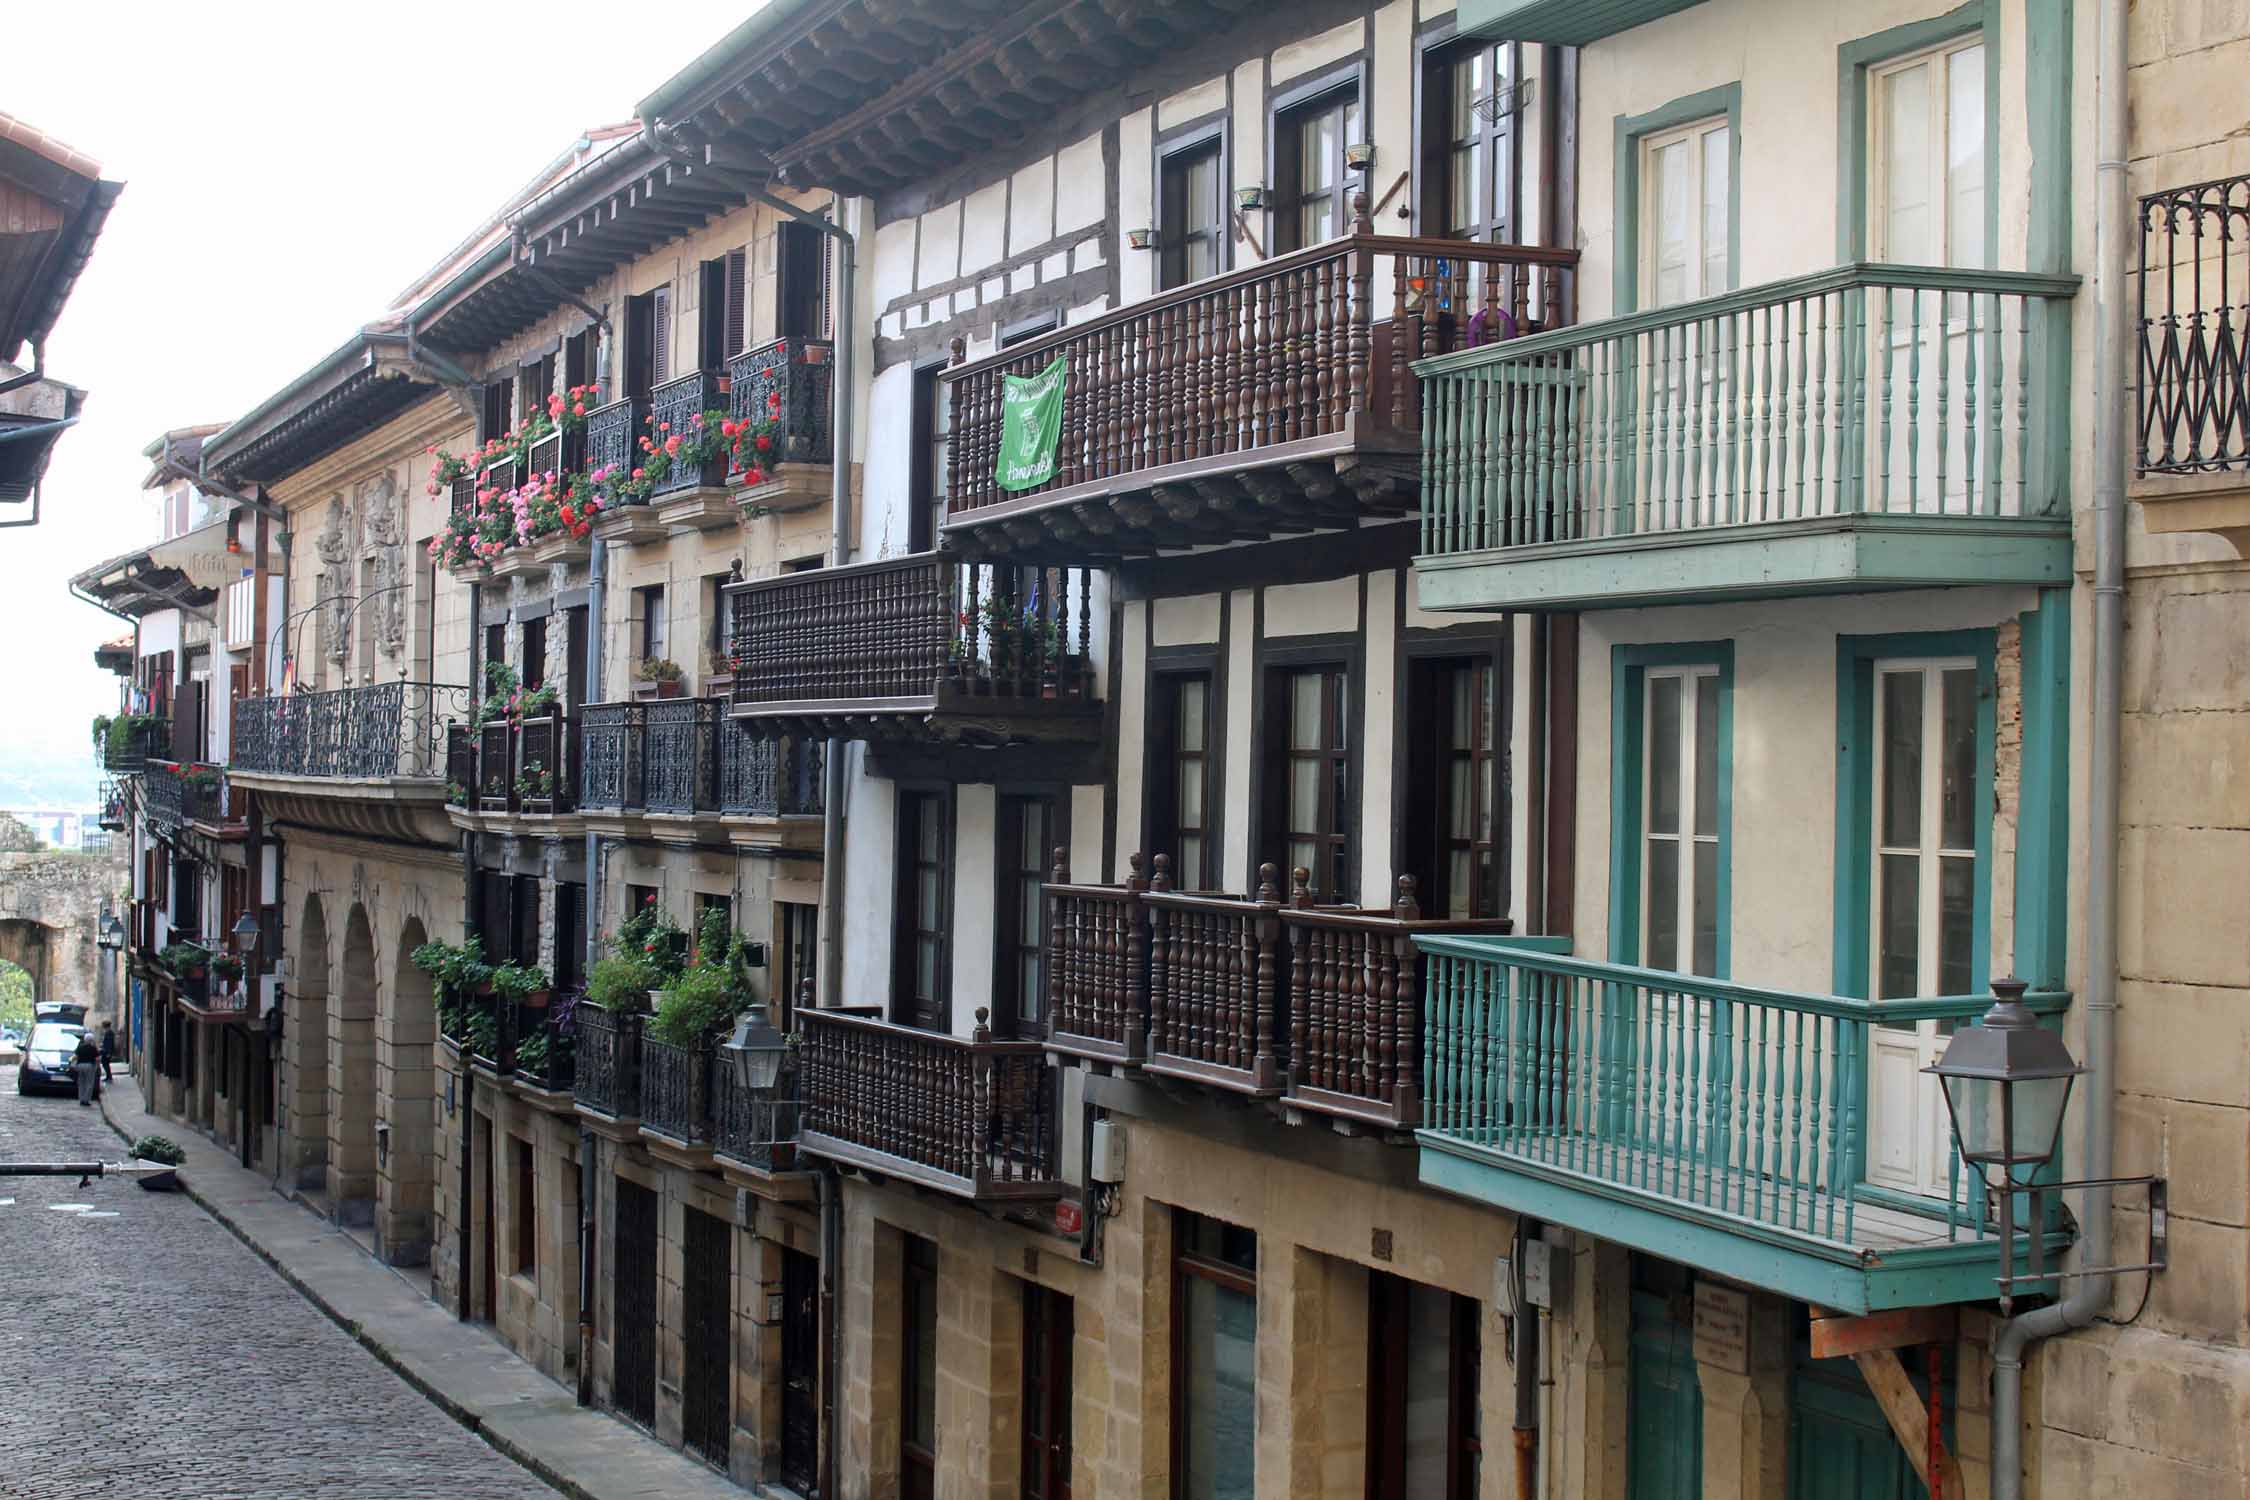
{"points": [[47, 1058]]}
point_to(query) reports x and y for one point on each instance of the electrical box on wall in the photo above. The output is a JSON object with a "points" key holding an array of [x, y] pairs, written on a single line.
{"points": [[1546, 1274], [1107, 1150]]}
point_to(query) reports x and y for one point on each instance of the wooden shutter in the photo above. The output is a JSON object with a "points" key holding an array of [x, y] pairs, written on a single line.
{"points": [[711, 313], [578, 362], [640, 342], [660, 314], [804, 282], [524, 945], [734, 295]]}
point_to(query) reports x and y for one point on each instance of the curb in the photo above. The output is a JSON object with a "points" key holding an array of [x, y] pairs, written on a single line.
{"points": [[513, 1451]]}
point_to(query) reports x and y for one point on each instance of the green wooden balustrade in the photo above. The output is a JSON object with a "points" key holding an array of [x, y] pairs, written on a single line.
{"points": [[1865, 389], [1747, 1103]]}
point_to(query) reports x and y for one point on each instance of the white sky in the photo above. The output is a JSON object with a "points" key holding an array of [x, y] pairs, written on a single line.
{"points": [[288, 168]]}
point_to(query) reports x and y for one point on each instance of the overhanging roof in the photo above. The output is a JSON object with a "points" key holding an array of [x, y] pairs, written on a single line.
{"points": [[27, 442], [1572, 23], [362, 385], [57, 202], [182, 572]]}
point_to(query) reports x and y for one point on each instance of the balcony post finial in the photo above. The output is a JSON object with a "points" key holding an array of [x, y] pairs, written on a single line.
{"points": [[1362, 220], [983, 1032], [1268, 893], [1300, 887], [1133, 880], [805, 1000], [960, 350], [1061, 874], [1406, 908], [1163, 880]]}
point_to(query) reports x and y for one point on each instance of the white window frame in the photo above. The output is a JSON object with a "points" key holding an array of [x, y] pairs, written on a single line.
{"points": [[1685, 837], [1938, 183], [1693, 135]]}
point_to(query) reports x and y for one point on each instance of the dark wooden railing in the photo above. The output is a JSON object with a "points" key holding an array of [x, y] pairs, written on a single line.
{"points": [[913, 627], [609, 1061], [383, 731], [971, 1116], [613, 433], [1289, 349], [756, 1131], [523, 766], [801, 372], [1319, 1004], [676, 1091], [674, 407]]}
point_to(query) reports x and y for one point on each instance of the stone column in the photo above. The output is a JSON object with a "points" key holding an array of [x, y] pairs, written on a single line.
{"points": [[1312, 1392], [1746, 1408], [1587, 1410]]}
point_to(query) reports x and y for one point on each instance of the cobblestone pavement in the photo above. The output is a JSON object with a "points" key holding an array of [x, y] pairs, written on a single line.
{"points": [[149, 1353]]}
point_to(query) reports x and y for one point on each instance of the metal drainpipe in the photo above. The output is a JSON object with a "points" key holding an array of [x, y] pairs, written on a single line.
{"points": [[596, 571], [831, 1327], [840, 516], [2089, 1295], [1526, 1356]]}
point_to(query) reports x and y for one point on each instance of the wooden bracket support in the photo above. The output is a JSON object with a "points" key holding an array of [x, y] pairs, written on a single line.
{"points": [[1909, 1418]]}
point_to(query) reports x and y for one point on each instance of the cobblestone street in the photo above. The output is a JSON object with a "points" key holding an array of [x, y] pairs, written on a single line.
{"points": [[151, 1354]]}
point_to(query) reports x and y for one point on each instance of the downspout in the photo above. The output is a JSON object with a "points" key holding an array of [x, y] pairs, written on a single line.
{"points": [[465, 1233], [596, 569], [1526, 1357], [840, 536], [2089, 1295], [831, 1328]]}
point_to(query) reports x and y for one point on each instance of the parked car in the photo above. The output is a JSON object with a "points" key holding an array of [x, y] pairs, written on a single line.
{"points": [[61, 1012], [46, 1060]]}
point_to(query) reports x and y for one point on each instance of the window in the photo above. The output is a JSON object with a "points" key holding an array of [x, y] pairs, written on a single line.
{"points": [[933, 447], [570, 934], [1309, 777], [1673, 729], [1423, 1428], [638, 897], [705, 904], [1311, 184], [495, 651], [648, 340], [1469, 141], [1926, 178], [1925, 845], [1214, 1359], [921, 983], [803, 296], [534, 673], [721, 284], [799, 924], [499, 413], [1029, 833], [917, 1386], [1191, 213], [1179, 770], [1685, 218], [648, 613], [1047, 1336], [537, 380], [1454, 839], [526, 1208]]}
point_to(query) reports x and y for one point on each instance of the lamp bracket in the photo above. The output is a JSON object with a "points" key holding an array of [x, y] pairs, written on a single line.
{"points": [[2159, 1232]]}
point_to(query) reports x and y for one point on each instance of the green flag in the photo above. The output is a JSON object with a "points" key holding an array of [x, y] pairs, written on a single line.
{"points": [[1030, 427]]}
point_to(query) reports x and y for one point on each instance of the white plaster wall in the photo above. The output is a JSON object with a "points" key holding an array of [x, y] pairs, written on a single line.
{"points": [[1241, 706], [976, 835], [1378, 760], [870, 852], [1783, 854], [1312, 608], [1132, 730], [1192, 620]]}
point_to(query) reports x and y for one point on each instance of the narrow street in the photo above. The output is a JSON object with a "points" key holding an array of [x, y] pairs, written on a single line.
{"points": [[152, 1354]]}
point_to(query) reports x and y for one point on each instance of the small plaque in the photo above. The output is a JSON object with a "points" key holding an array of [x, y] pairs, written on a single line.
{"points": [[1722, 1327]]}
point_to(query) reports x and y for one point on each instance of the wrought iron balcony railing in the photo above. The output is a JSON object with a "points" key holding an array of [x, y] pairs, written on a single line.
{"points": [[1245, 405], [1900, 392], [789, 381], [904, 639], [968, 1116], [2195, 329], [684, 756], [1255, 995], [387, 730], [179, 792], [757, 1132], [675, 405], [613, 433], [609, 1061], [522, 765], [769, 777], [676, 1091]]}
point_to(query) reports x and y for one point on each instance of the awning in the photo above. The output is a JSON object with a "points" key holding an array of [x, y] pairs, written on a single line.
{"points": [[187, 572], [202, 557]]}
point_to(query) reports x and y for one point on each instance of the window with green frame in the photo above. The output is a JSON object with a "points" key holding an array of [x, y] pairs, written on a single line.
{"points": [[1914, 770], [1672, 806]]}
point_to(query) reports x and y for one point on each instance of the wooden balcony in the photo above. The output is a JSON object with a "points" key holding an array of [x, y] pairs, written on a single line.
{"points": [[518, 767], [1318, 1007], [1869, 427], [970, 1117], [1271, 400], [924, 648], [1718, 1124]]}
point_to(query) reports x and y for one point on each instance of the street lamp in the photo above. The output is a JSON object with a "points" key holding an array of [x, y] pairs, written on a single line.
{"points": [[245, 934], [758, 1053], [2007, 1081], [110, 936]]}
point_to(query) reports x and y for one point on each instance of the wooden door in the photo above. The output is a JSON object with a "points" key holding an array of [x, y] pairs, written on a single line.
{"points": [[1047, 1335], [707, 1342], [800, 1371], [632, 1304], [1840, 1445], [1664, 1421]]}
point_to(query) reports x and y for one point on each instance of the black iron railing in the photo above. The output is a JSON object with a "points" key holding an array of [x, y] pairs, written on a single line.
{"points": [[2195, 329], [180, 792], [769, 777], [385, 730], [610, 760], [609, 1060], [756, 1130], [676, 1091], [680, 764], [789, 381], [611, 433], [141, 738], [675, 405]]}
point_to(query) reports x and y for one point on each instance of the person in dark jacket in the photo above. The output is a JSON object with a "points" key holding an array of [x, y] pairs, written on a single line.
{"points": [[109, 1050], [86, 1062]]}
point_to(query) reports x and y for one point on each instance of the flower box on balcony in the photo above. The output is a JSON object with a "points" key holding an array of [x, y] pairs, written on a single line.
{"points": [[703, 508], [631, 523], [560, 547]]}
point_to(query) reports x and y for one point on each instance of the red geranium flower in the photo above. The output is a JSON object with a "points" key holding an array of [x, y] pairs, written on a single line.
{"points": [[765, 441]]}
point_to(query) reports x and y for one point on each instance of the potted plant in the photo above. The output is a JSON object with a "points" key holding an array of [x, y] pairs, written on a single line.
{"points": [[481, 1030], [227, 967], [163, 1149], [664, 678], [184, 960], [521, 984]]}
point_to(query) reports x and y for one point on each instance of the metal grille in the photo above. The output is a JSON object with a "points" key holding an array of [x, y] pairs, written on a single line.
{"points": [[801, 372], [2195, 305], [609, 1061], [677, 403], [757, 1131], [632, 1332], [707, 1343], [610, 760], [676, 1090], [387, 729], [610, 431], [680, 771]]}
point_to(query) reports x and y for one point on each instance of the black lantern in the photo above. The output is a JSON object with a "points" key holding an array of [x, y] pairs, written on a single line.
{"points": [[110, 936], [245, 934], [758, 1053], [2007, 1081]]}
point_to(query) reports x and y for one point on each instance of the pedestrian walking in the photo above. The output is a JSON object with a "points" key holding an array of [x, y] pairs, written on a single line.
{"points": [[87, 1063], [109, 1050]]}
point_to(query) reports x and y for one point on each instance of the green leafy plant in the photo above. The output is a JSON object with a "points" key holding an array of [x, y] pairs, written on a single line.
{"points": [[159, 1148], [651, 935], [481, 1028], [535, 782], [226, 966], [700, 1003], [657, 669], [534, 1052], [519, 982], [184, 959], [458, 969]]}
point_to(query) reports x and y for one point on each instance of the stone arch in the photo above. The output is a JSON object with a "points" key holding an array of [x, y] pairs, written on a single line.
{"points": [[406, 1091], [30, 946], [304, 1049], [351, 1075]]}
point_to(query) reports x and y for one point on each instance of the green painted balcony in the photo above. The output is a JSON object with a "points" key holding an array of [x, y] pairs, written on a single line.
{"points": [[1721, 1125], [1573, 23], [1870, 427]]}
